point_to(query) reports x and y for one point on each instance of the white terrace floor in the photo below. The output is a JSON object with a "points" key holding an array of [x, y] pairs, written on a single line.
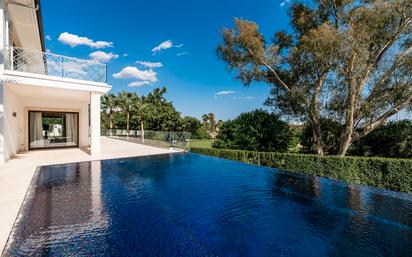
{"points": [[16, 174]]}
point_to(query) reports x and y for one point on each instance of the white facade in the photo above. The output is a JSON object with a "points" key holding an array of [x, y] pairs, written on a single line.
{"points": [[31, 80]]}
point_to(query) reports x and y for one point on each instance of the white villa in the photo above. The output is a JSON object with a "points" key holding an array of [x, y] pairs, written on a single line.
{"points": [[47, 100]]}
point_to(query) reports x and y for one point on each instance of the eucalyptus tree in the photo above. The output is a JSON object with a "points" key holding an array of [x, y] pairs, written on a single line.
{"points": [[109, 105], [126, 102], [346, 60]]}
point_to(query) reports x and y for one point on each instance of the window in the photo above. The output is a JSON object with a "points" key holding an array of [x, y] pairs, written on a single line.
{"points": [[53, 129]]}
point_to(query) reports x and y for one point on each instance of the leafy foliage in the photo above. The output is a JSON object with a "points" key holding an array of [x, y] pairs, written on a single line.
{"points": [[109, 104], [393, 174], [330, 136], [191, 125], [164, 116], [391, 140], [257, 130], [151, 112], [126, 101], [201, 133]]}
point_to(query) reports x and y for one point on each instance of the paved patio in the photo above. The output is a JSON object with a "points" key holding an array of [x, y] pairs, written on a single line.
{"points": [[16, 174]]}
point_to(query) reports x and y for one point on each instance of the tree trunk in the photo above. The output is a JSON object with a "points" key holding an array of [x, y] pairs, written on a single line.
{"points": [[111, 120], [347, 133], [110, 123], [317, 139], [344, 144], [315, 118], [127, 123], [142, 130]]}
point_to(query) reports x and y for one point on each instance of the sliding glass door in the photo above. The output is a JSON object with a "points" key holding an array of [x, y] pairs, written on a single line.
{"points": [[53, 129]]}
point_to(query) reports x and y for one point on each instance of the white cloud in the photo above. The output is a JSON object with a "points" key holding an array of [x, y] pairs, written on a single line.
{"points": [[138, 83], [130, 72], [48, 37], [144, 77], [225, 92], [244, 97], [74, 40], [284, 2], [150, 64], [100, 56], [179, 46], [183, 53], [75, 69], [162, 46], [125, 55]]}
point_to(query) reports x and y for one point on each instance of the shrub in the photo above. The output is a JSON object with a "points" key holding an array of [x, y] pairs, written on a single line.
{"points": [[391, 140], [330, 136], [393, 174], [258, 131], [201, 133]]}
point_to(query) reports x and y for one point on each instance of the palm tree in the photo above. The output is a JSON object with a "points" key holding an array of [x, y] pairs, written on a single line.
{"points": [[142, 112], [108, 105], [205, 119], [126, 102], [212, 122]]}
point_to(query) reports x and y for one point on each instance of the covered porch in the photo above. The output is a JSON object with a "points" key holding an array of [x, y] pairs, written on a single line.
{"points": [[42, 116], [16, 174]]}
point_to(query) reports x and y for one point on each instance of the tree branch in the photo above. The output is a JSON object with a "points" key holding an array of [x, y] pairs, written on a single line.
{"points": [[283, 84], [379, 55], [383, 118], [386, 75], [392, 40]]}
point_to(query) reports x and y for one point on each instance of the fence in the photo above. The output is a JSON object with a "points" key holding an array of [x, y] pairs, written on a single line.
{"points": [[163, 139], [24, 60]]}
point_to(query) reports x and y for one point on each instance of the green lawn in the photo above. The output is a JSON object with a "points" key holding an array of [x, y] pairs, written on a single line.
{"points": [[201, 143]]}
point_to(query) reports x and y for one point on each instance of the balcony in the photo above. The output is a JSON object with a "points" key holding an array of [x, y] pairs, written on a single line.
{"points": [[30, 61]]}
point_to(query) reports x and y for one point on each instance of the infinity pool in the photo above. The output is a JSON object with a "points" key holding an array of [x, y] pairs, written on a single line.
{"points": [[193, 205]]}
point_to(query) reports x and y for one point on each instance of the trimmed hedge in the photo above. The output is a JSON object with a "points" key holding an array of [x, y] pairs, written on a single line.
{"points": [[393, 174]]}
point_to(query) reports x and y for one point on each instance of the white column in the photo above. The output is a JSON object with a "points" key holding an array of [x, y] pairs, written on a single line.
{"points": [[94, 122], [84, 140], [3, 38], [2, 118]]}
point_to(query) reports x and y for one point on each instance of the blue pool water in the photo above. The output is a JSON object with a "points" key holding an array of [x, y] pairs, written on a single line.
{"points": [[193, 205]]}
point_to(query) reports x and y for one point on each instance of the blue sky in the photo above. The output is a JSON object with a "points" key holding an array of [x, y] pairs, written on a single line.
{"points": [[124, 33]]}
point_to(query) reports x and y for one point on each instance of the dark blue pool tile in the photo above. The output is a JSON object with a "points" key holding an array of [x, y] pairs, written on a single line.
{"points": [[193, 205]]}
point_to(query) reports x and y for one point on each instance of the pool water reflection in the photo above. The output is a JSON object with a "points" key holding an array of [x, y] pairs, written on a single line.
{"points": [[194, 205]]}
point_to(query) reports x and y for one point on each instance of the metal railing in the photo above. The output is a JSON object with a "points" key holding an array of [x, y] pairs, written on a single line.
{"points": [[20, 59], [163, 139]]}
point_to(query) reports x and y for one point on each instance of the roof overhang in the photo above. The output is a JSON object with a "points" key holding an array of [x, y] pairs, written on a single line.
{"points": [[17, 77], [26, 24]]}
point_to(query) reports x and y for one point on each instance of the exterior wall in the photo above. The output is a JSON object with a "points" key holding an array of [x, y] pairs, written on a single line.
{"points": [[16, 128], [13, 127]]}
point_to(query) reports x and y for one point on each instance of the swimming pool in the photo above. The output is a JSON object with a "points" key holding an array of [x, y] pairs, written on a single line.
{"points": [[194, 205]]}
